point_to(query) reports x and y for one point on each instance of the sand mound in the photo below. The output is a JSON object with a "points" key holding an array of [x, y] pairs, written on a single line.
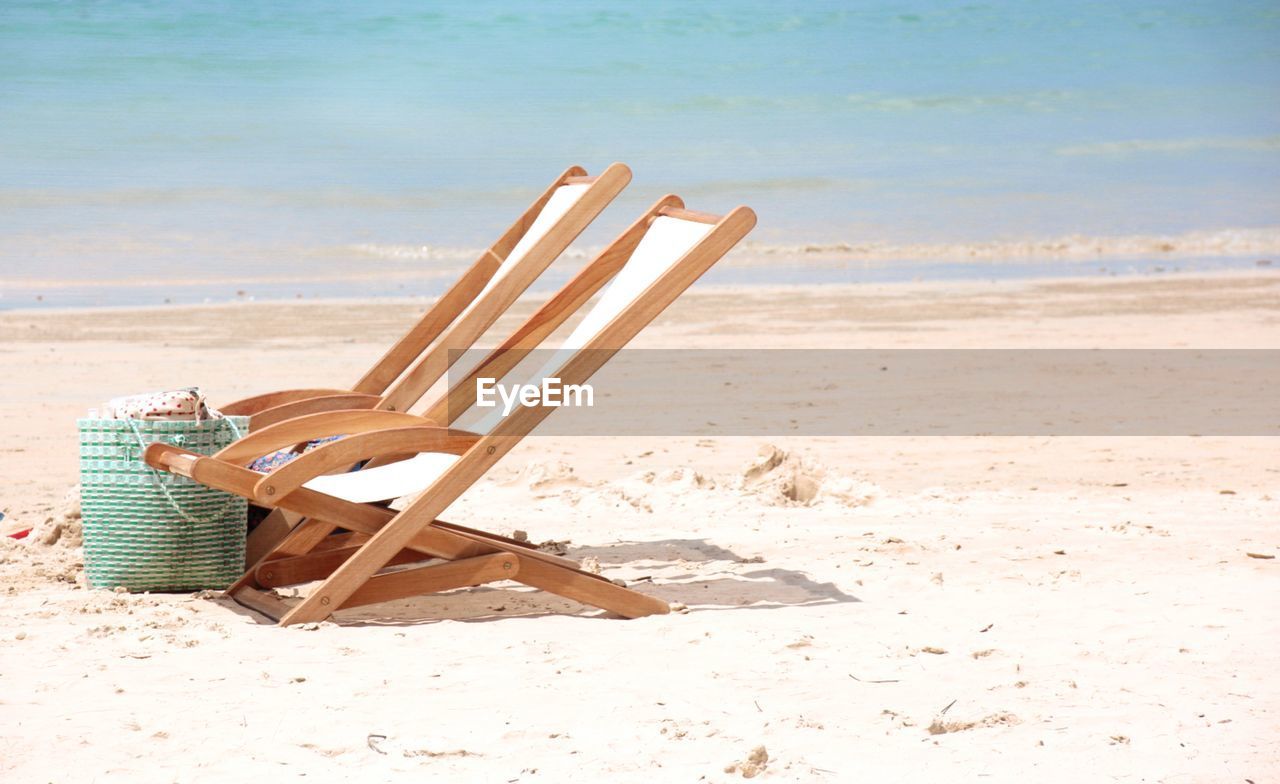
{"points": [[775, 478], [546, 475], [685, 479], [781, 478], [63, 527]]}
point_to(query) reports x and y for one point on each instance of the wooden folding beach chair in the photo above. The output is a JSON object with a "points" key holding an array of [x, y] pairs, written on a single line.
{"points": [[649, 265], [483, 293], [454, 323]]}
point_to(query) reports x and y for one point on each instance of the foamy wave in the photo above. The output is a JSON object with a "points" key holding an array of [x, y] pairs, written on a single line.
{"points": [[1251, 144], [332, 264], [1227, 242], [437, 252], [232, 282], [415, 252]]}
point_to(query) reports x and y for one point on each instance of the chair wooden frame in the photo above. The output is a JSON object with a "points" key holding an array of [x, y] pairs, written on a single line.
{"points": [[424, 354], [425, 349], [352, 564]]}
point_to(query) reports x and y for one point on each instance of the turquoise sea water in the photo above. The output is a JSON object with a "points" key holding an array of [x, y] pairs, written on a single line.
{"points": [[297, 145]]}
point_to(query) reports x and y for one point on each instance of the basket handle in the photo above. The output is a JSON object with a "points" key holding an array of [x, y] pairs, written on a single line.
{"points": [[173, 502]]}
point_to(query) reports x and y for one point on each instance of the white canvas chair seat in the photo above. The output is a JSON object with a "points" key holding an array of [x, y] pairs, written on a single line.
{"points": [[385, 482], [662, 245]]}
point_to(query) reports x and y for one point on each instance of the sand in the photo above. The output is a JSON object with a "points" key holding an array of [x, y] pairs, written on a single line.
{"points": [[882, 609]]}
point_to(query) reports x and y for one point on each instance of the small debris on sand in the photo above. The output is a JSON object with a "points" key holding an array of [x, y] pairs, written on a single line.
{"points": [[555, 546], [752, 766], [940, 727]]}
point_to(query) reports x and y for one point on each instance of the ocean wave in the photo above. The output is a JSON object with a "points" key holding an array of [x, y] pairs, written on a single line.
{"points": [[1246, 144], [326, 197], [1224, 242], [437, 252], [233, 281], [333, 264], [852, 103]]}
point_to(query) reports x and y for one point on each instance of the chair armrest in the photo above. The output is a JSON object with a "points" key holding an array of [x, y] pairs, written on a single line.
{"points": [[252, 405], [311, 405], [354, 448], [174, 459], [292, 432]]}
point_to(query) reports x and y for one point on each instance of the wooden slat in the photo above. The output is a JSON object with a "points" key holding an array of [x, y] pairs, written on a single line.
{"points": [[299, 541], [430, 579], [692, 215], [523, 544], [268, 534], [252, 405], [316, 565], [491, 542], [338, 541], [348, 451], [305, 538], [311, 405], [307, 428], [580, 587], [264, 603], [371, 519]]}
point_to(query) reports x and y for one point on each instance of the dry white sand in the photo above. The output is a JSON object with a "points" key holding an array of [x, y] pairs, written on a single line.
{"points": [[940, 609]]}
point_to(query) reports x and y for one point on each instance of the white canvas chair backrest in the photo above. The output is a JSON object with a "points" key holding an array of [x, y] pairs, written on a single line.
{"points": [[664, 243], [562, 199]]}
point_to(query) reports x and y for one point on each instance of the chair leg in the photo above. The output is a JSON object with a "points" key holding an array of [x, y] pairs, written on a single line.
{"points": [[268, 535], [589, 589], [453, 543], [260, 602], [434, 578], [580, 586], [300, 541], [317, 565]]}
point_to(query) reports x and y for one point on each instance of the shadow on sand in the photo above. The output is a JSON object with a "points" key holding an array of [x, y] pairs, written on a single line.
{"points": [[699, 574]]}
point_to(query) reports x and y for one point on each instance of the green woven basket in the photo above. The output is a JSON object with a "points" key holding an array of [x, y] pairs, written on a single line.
{"points": [[149, 530]]}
